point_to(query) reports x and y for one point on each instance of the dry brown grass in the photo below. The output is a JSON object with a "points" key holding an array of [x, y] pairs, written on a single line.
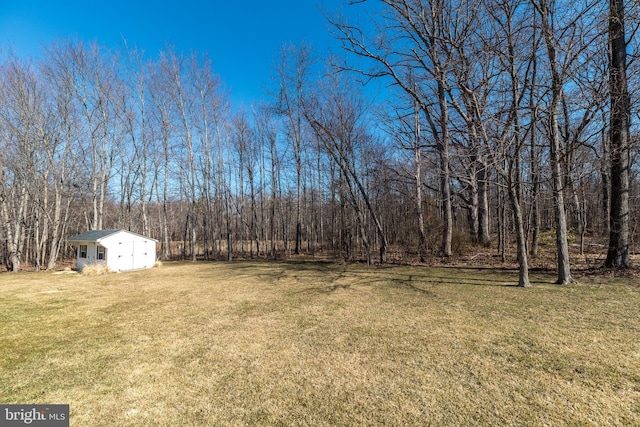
{"points": [[95, 270], [257, 343]]}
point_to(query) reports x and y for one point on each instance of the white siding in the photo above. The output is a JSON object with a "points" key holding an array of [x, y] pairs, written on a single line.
{"points": [[129, 251], [91, 258], [123, 251]]}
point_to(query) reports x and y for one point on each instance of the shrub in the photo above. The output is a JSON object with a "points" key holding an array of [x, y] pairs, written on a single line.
{"points": [[460, 241], [95, 269], [548, 237]]}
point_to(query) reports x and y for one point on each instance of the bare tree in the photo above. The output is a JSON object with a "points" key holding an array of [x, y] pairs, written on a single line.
{"points": [[97, 91], [487, 101], [618, 255], [183, 101], [60, 134], [337, 118], [557, 82], [243, 140], [414, 52], [404, 127], [267, 131], [163, 129], [495, 120], [19, 155], [292, 75], [137, 126]]}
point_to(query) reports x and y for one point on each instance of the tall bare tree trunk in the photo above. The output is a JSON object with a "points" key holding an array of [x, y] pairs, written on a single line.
{"points": [[482, 178], [445, 173], [523, 263], [618, 255], [14, 228], [535, 167], [166, 238], [563, 262], [417, 145]]}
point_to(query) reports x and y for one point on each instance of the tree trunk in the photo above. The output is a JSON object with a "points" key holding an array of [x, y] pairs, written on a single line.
{"points": [[422, 239], [483, 206], [563, 262], [521, 238], [535, 167], [618, 254], [14, 229], [445, 174]]}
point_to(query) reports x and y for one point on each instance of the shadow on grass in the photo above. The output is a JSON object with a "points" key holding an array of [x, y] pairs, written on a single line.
{"points": [[458, 276], [339, 276], [325, 289]]}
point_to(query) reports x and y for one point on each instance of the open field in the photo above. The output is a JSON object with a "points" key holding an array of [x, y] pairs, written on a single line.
{"points": [[266, 343]]}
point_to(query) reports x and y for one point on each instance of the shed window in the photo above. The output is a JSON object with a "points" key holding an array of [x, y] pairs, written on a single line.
{"points": [[83, 251], [100, 252]]}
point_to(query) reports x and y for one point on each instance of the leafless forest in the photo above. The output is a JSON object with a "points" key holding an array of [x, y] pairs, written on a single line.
{"points": [[483, 124]]}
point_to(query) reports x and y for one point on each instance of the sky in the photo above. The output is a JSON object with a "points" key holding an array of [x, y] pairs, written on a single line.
{"points": [[243, 38]]}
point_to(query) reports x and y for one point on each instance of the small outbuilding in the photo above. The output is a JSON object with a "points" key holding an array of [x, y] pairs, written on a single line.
{"points": [[120, 250]]}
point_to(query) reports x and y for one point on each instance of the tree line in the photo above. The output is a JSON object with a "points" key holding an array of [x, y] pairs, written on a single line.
{"points": [[495, 121]]}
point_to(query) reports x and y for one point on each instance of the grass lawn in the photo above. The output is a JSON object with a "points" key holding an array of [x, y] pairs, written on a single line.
{"points": [[267, 343]]}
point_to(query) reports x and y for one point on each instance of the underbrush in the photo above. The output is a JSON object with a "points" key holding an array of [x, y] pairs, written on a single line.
{"points": [[95, 270]]}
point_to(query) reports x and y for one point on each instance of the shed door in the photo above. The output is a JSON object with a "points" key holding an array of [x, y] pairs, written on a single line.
{"points": [[132, 255], [125, 259], [139, 254]]}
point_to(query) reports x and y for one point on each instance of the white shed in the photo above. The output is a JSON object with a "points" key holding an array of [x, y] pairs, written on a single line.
{"points": [[120, 250]]}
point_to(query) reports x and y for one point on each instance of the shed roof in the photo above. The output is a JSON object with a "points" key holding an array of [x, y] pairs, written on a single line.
{"points": [[95, 235], [92, 235]]}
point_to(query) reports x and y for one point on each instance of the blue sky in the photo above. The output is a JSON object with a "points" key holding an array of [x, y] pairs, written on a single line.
{"points": [[242, 37]]}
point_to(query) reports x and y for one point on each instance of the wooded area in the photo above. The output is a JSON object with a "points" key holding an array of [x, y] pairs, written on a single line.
{"points": [[496, 122]]}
